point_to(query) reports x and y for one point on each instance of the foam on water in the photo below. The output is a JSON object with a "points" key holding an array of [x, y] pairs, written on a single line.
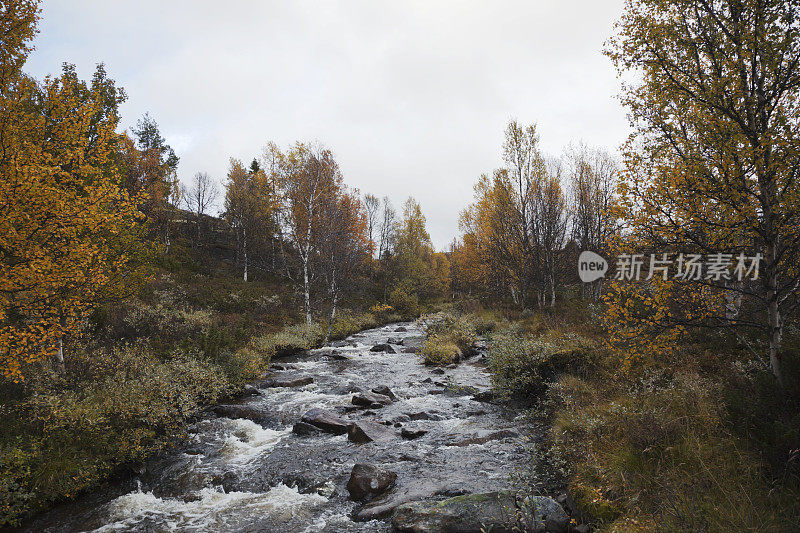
{"points": [[214, 510], [248, 440]]}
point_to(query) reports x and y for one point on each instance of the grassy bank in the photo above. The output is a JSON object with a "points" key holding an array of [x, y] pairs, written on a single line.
{"points": [[695, 439], [193, 336]]}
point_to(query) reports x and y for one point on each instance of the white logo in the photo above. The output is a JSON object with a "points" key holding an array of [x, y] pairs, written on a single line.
{"points": [[591, 266]]}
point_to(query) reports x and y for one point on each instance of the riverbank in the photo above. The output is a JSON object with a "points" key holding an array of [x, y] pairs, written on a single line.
{"points": [[279, 458]]}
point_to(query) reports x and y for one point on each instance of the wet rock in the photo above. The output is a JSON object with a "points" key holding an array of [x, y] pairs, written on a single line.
{"points": [[401, 329], [483, 396], [436, 391], [411, 434], [452, 366], [427, 380], [477, 412], [413, 344], [385, 504], [545, 514], [326, 421], [394, 340], [340, 344], [386, 391], [304, 429], [249, 390], [367, 481], [286, 381], [400, 419], [365, 431], [437, 371], [470, 513], [336, 355], [245, 411], [423, 415], [484, 436], [383, 347], [371, 399]]}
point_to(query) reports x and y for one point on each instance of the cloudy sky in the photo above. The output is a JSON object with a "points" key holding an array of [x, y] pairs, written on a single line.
{"points": [[412, 97]]}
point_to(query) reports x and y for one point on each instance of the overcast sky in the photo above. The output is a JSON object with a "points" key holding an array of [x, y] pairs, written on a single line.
{"points": [[412, 97]]}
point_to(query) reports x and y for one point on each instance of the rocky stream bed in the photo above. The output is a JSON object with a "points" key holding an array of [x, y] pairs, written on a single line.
{"points": [[357, 436]]}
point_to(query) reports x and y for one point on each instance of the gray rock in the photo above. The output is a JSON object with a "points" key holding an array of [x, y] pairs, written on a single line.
{"points": [[438, 371], [367, 481], [411, 434], [394, 340], [484, 436], [545, 514], [364, 431], [383, 348], [385, 504], [286, 381], [483, 396], [401, 329], [413, 344], [371, 399], [304, 429], [423, 415], [470, 513], [245, 411], [326, 421], [386, 391]]}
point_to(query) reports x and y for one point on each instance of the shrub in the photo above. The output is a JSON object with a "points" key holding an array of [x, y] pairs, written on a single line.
{"points": [[440, 351], [404, 302]]}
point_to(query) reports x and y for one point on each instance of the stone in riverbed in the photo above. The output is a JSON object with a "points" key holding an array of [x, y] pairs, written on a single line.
{"points": [[245, 411], [384, 505], [371, 399], [413, 344], [304, 429], [364, 431], [394, 340], [367, 481], [438, 371], [401, 329], [386, 391], [383, 347], [286, 381], [484, 436], [471, 513], [411, 434], [326, 421]]}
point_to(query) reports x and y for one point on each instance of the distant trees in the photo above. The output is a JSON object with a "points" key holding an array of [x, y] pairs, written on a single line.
{"points": [[201, 193], [68, 229], [515, 230]]}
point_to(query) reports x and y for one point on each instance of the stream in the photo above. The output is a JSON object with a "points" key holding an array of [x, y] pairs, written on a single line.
{"points": [[253, 473]]}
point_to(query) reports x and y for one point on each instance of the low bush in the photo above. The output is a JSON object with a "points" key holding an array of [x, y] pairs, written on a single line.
{"points": [[404, 303], [440, 351]]}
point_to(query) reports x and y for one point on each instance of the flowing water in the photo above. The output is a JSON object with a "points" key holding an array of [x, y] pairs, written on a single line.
{"points": [[234, 474]]}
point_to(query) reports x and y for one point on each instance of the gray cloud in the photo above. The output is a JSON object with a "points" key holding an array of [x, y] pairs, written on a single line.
{"points": [[411, 96]]}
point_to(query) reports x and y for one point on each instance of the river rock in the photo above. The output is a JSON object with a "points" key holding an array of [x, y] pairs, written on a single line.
{"points": [[304, 429], [545, 514], [413, 344], [326, 421], [386, 391], [394, 340], [245, 411], [471, 513], [383, 347], [364, 431], [367, 481], [401, 329], [286, 381], [411, 434], [483, 396], [371, 399], [484, 436], [384, 505], [423, 415], [438, 371]]}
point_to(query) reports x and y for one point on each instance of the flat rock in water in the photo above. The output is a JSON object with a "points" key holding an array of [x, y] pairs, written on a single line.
{"points": [[371, 399], [367, 481], [484, 436], [383, 347], [326, 421], [411, 434], [401, 329], [385, 504], [471, 513], [394, 340], [286, 381], [364, 431]]}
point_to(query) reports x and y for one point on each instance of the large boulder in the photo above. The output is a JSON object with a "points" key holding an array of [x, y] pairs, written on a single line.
{"points": [[364, 431], [305, 430], [367, 481], [326, 421], [371, 399]]}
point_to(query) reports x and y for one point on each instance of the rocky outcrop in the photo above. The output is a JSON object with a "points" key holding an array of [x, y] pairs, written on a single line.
{"points": [[367, 481], [474, 513], [364, 431], [326, 421]]}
